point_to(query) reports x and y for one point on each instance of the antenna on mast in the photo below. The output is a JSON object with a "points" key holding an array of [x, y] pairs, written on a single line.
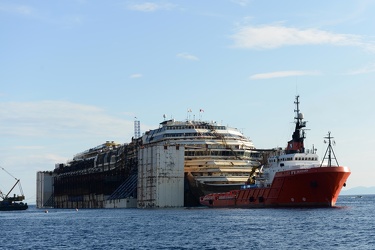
{"points": [[188, 114], [329, 154]]}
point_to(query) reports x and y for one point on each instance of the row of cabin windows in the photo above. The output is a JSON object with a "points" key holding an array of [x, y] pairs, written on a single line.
{"points": [[201, 134], [297, 159], [221, 174], [222, 153], [218, 146], [197, 127], [186, 135], [306, 158]]}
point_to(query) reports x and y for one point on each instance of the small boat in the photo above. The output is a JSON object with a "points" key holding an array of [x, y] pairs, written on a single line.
{"points": [[11, 203], [292, 177]]}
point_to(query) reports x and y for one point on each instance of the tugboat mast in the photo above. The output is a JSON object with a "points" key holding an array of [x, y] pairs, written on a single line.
{"points": [[329, 151], [296, 145]]}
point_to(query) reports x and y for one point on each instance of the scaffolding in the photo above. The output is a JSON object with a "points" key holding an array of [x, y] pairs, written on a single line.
{"points": [[137, 129]]}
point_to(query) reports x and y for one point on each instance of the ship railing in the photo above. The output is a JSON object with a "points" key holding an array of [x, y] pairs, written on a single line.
{"points": [[301, 166], [310, 151]]}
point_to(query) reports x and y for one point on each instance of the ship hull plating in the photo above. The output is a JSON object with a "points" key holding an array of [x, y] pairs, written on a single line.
{"points": [[314, 187], [14, 207]]}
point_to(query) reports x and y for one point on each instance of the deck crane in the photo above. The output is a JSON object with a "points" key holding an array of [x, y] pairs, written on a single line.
{"points": [[14, 202]]}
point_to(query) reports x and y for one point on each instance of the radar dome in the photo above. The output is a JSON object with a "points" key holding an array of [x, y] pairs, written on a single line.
{"points": [[300, 116]]}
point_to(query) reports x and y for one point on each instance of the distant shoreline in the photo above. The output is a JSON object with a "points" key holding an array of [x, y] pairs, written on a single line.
{"points": [[358, 191]]}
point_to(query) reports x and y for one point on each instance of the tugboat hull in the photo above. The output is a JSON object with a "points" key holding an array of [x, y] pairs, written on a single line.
{"points": [[314, 187]]}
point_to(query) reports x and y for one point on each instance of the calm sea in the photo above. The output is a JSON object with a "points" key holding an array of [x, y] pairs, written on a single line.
{"points": [[351, 225]]}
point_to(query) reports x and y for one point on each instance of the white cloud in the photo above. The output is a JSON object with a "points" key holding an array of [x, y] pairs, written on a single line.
{"points": [[188, 56], [365, 70], [66, 21], [71, 21], [28, 147], [47, 157], [278, 74], [59, 119], [241, 2], [36, 135], [17, 9], [150, 7], [136, 75], [275, 36]]}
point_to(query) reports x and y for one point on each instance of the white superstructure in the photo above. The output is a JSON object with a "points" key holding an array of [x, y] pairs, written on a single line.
{"points": [[216, 157]]}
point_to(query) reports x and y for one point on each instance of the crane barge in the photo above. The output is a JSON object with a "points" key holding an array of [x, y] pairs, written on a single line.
{"points": [[11, 203]]}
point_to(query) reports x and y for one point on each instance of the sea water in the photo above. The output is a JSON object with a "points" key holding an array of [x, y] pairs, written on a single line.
{"points": [[350, 225]]}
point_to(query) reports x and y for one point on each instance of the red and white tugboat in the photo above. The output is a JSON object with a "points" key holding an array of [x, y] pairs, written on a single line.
{"points": [[293, 177]]}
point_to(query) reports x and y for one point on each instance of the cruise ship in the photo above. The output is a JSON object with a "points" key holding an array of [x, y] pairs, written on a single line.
{"points": [[218, 158], [188, 158]]}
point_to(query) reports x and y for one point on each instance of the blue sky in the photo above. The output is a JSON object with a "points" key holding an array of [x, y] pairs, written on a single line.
{"points": [[74, 74]]}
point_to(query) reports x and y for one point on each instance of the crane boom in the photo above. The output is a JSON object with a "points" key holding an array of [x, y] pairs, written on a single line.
{"points": [[17, 183]]}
